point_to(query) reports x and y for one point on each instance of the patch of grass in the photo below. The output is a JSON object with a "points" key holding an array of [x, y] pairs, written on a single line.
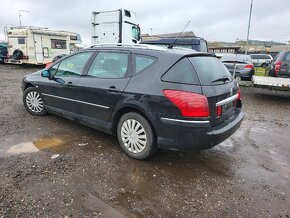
{"points": [[260, 71]]}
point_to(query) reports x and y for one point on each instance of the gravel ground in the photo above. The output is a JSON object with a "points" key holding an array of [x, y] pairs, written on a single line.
{"points": [[80, 172]]}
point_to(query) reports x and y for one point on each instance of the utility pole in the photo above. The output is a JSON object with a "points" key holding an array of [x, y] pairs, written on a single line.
{"points": [[19, 14], [246, 49]]}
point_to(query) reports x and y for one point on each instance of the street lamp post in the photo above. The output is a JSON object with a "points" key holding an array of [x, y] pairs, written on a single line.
{"points": [[247, 43], [19, 14]]}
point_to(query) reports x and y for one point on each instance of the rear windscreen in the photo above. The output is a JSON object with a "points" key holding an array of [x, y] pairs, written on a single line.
{"points": [[261, 57], [236, 58], [210, 70]]}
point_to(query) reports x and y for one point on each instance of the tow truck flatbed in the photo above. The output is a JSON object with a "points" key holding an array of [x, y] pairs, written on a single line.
{"points": [[271, 83]]}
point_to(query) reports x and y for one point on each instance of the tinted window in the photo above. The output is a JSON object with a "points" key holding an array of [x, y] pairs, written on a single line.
{"points": [[181, 72], [210, 69], [143, 62], [58, 44], [21, 40], [109, 65], [287, 57], [73, 65], [278, 57], [260, 56]]}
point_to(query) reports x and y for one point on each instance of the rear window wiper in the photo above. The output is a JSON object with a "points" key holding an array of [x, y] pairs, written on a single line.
{"points": [[223, 79]]}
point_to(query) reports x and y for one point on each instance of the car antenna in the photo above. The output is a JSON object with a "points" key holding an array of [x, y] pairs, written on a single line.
{"points": [[171, 46]]}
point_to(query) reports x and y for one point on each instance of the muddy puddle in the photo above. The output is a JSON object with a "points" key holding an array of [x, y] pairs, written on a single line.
{"points": [[62, 143], [52, 143], [43, 143]]}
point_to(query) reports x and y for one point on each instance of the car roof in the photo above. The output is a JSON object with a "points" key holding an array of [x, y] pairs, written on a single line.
{"points": [[259, 54], [182, 41], [149, 50]]}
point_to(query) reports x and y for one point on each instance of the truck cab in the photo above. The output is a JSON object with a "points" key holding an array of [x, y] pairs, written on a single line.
{"points": [[118, 26]]}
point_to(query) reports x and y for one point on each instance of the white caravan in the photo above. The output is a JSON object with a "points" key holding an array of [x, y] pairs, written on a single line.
{"points": [[38, 46], [119, 26]]}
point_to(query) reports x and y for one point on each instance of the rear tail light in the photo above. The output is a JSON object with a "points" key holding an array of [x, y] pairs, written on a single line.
{"points": [[238, 102], [239, 93], [218, 111], [277, 67], [190, 104], [249, 66]]}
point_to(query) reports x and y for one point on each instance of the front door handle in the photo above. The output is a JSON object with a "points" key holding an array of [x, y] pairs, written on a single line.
{"points": [[112, 89]]}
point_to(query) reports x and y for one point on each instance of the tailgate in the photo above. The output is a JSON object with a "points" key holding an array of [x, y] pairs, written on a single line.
{"points": [[218, 86], [223, 96]]}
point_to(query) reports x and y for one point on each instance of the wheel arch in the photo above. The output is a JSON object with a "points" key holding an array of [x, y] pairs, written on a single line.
{"points": [[27, 85], [126, 109]]}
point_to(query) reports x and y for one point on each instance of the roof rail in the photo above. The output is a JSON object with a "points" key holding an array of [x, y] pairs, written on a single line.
{"points": [[144, 46]]}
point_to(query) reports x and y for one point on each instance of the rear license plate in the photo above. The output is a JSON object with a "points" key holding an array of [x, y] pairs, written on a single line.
{"points": [[227, 107]]}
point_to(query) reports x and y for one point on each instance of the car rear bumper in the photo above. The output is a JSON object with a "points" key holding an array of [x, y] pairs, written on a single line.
{"points": [[188, 136], [243, 73]]}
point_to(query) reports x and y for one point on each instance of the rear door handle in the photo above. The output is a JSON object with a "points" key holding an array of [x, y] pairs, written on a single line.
{"points": [[69, 84]]}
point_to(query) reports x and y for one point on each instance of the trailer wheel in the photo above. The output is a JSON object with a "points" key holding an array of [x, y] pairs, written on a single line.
{"points": [[17, 54]]}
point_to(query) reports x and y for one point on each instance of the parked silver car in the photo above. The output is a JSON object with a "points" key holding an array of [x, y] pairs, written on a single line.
{"points": [[244, 66], [261, 60]]}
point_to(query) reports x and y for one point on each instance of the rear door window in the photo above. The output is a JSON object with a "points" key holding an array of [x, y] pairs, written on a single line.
{"points": [[181, 72], [110, 65], [210, 70]]}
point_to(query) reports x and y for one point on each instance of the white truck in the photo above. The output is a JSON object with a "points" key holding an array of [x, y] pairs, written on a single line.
{"points": [[118, 26], [39, 46]]}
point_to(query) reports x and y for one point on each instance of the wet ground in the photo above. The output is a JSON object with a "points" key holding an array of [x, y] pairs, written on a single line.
{"points": [[50, 166]]}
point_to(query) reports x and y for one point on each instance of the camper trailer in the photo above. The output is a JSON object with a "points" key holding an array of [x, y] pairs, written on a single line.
{"points": [[38, 46], [119, 26]]}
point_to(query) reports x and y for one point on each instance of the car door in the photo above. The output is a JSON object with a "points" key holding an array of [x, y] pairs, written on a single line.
{"points": [[285, 66], [59, 90], [98, 92]]}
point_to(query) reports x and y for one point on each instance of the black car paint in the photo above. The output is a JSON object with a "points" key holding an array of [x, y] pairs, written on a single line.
{"points": [[141, 93]]}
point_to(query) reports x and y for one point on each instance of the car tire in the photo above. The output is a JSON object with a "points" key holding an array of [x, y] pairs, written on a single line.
{"points": [[33, 102], [136, 136], [264, 65], [17, 54]]}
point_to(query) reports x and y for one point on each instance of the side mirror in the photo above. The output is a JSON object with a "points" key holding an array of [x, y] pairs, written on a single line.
{"points": [[45, 73]]}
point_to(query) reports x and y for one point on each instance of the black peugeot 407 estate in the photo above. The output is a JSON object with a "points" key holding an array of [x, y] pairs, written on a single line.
{"points": [[148, 96]]}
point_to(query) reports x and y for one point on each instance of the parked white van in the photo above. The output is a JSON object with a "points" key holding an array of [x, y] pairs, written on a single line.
{"points": [[38, 46]]}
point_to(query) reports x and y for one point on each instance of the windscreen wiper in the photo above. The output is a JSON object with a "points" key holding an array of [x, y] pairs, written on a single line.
{"points": [[223, 79]]}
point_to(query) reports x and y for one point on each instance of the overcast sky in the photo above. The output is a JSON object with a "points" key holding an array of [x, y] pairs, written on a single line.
{"points": [[215, 20]]}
